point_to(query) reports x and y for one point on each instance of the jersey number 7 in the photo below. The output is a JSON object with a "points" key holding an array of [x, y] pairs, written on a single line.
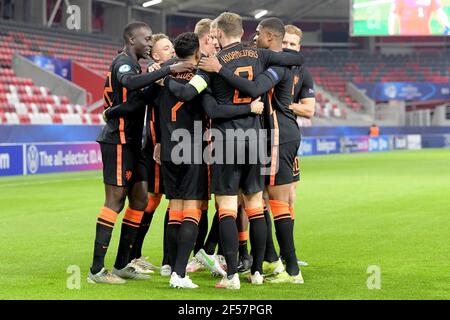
{"points": [[244, 72], [107, 91], [175, 108]]}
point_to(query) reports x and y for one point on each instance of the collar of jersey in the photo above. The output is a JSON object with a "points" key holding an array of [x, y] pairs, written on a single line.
{"points": [[127, 55], [231, 45]]}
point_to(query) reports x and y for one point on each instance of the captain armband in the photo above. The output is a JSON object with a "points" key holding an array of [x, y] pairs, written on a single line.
{"points": [[198, 83]]}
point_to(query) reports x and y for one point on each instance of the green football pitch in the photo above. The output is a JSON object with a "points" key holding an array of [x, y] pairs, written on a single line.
{"points": [[355, 213]]}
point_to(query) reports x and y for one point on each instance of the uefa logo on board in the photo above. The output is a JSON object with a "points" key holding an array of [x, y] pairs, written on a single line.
{"points": [[391, 91], [32, 159]]}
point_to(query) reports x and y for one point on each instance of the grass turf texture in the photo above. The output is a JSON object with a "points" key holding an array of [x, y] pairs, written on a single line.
{"points": [[388, 209]]}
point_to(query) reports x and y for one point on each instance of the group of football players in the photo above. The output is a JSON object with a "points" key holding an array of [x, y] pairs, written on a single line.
{"points": [[210, 115]]}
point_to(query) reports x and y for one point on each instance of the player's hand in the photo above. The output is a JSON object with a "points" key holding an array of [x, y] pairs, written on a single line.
{"points": [[105, 114], [182, 67], [153, 67], [210, 64], [157, 153], [257, 106], [160, 82]]}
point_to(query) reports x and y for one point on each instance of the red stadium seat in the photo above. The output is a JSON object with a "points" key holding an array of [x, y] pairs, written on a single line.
{"points": [[28, 43], [24, 119], [95, 118], [56, 118]]}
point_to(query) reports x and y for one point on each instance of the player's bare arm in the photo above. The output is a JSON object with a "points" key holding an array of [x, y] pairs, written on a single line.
{"points": [[305, 108]]}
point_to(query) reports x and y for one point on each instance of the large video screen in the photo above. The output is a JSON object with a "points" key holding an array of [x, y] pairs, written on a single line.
{"points": [[400, 17]]}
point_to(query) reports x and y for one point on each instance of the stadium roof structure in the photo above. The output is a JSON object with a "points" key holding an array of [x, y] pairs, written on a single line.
{"points": [[292, 10]]}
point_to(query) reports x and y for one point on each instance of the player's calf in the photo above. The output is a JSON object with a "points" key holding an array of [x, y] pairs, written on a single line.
{"points": [[285, 234]]}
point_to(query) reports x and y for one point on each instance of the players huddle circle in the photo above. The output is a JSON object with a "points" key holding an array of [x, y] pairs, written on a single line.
{"points": [[192, 95]]}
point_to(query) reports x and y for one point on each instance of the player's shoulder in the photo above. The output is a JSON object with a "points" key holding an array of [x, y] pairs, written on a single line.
{"points": [[183, 77], [300, 71], [232, 47], [305, 74], [124, 62], [122, 57], [278, 73], [235, 52], [262, 53]]}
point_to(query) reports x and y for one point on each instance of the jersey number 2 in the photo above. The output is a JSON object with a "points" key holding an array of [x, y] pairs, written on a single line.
{"points": [[245, 72]]}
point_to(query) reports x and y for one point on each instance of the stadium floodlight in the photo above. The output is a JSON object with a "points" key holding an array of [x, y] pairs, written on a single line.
{"points": [[261, 14], [151, 3]]}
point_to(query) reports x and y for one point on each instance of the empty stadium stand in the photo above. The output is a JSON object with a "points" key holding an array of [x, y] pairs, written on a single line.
{"points": [[21, 101], [332, 69]]}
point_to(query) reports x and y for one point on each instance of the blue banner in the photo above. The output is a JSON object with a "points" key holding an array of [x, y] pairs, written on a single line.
{"points": [[379, 144], [307, 147], [61, 67], [361, 131], [319, 145], [436, 141], [418, 91], [354, 144], [327, 145], [11, 160], [47, 158], [400, 142]]}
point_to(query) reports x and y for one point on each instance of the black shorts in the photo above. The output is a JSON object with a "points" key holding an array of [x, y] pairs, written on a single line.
{"points": [[296, 173], [185, 181], [123, 164], [154, 177], [238, 175], [284, 166]]}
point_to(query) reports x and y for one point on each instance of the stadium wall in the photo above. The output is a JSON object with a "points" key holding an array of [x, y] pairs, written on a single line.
{"points": [[41, 77], [92, 82]]}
